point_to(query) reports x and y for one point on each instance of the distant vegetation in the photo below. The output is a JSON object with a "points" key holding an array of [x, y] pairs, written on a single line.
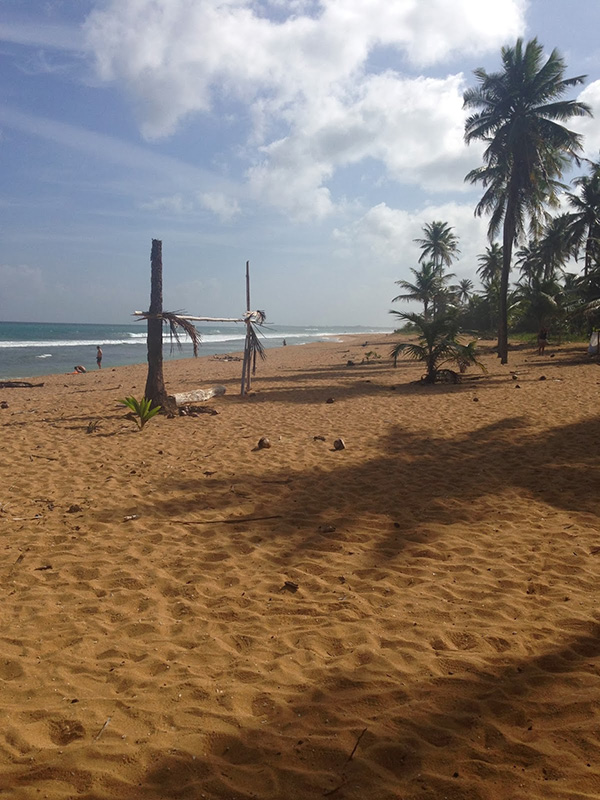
{"points": [[517, 113]]}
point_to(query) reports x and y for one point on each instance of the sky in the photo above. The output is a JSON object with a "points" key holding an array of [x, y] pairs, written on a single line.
{"points": [[313, 138]]}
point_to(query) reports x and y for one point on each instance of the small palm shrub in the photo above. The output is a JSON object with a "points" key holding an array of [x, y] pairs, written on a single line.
{"points": [[140, 410], [466, 357], [437, 345]]}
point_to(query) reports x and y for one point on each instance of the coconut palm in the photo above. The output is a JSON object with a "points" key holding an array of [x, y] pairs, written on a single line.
{"points": [[464, 290], [555, 245], [540, 299], [466, 356], [585, 217], [439, 245], [545, 257], [425, 289], [528, 260], [518, 115], [490, 264], [436, 343]]}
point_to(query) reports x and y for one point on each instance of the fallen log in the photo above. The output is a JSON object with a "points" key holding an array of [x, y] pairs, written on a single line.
{"points": [[18, 385], [197, 396]]}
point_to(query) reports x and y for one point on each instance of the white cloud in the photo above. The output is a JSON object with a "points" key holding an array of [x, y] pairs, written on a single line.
{"points": [[305, 76], [387, 235], [173, 204], [590, 126], [224, 207]]}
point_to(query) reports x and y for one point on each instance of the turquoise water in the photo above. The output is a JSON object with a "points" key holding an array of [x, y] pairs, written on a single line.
{"points": [[30, 349]]}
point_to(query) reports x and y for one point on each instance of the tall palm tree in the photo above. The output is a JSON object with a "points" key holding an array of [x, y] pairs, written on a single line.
{"points": [[540, 298], [555, 246], [427, 286], [439, 245], [528, 260], [585, 217], [464, 290], [518, 115], [545, 257], [490, 264]]}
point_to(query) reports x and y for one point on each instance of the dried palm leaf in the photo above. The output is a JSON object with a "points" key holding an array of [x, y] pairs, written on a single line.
{"points": [[177, 323], [255, 317], [254, 346]]}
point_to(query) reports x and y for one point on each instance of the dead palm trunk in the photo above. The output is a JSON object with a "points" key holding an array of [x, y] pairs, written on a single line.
{"points": [[155, 386]]}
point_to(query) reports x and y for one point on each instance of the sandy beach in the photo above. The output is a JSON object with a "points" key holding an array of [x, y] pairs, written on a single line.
{"points": [[413, 617]]}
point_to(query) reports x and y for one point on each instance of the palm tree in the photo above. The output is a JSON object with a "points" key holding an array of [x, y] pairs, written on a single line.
{"points": [[528, 260], [425, 289], [541, 300], [437, 344], [518, 111], [585, 218], [439, 245], [464, 290], [555, 245], [490, 264], [545, 257], [466, 356]]}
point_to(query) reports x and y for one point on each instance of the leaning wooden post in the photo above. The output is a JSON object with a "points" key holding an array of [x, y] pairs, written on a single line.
{"points": [[246, 363], [155, 386]]}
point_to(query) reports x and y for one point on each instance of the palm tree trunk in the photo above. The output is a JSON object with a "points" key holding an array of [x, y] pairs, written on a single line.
{"points": [[588, 253], [508, 237], [155, 386]]}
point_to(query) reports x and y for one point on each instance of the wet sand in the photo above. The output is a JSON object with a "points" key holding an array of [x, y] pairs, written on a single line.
{"points": [[414, 616]]}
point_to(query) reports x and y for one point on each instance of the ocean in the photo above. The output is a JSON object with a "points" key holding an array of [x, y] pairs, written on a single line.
{"points": [[31, 349]]}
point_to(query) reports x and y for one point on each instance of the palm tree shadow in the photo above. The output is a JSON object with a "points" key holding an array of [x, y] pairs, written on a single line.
{"points": [[416, 488], [436, 737]]}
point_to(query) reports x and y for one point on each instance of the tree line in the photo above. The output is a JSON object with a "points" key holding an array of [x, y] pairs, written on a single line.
{"points": [[518, 115]]}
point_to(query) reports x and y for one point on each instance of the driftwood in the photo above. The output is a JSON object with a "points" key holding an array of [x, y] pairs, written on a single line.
{"points": [[197, 396], [18, 385]]}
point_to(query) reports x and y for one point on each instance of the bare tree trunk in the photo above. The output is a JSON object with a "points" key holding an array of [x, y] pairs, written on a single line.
{"points": [[155, 386], [246, 380]]}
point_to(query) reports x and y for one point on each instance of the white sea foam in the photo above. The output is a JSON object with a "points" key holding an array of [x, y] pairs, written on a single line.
{"points": [[70, 343], [140, 339]]}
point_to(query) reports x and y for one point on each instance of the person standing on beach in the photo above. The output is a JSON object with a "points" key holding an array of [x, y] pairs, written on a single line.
{"points": [[99, 357], [542, 341]]}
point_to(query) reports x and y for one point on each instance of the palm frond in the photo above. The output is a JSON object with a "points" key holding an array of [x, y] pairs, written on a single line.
{"points": [[415, 352], [177, 323], [254, 346]]}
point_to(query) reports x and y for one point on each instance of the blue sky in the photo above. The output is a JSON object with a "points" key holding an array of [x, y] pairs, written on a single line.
{"points": [[313, 137]]}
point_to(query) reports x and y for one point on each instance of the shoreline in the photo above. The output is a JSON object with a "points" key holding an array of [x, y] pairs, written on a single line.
{"points": [[28, 350], [186, 614], [234, 355]]}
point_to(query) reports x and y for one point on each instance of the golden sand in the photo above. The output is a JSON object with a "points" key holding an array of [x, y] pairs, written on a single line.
{"points": [[413, 617]]}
